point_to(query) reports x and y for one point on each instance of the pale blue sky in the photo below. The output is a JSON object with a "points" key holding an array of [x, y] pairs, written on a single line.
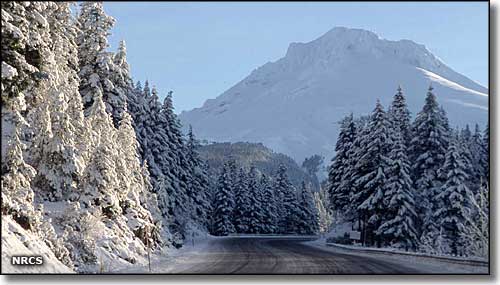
{"points": [[199, 50]]}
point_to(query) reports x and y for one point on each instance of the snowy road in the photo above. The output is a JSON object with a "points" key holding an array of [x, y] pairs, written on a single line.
{"points": [[247, 255]]}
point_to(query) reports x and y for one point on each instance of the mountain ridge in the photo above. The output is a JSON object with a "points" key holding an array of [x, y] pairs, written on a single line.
{"points": [[292, 104]]}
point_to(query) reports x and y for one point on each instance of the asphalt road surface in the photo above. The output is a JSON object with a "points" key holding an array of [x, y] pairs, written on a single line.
{"points": [[279, 256]]}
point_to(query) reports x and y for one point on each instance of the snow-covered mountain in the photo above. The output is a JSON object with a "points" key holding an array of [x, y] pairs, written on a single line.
{"points": [[293, 105]]}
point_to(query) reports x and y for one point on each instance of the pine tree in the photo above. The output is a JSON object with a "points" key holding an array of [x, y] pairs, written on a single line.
{"points": [[100, 180], [467, 155], [122, 82], [427, 151], [309, 214], [19, 71], [176, 168], [154, 148], [223, 205], [54, 150], [242, 203], [123, 78], [485, 156], [146, 90], [133, 185], [269, 219], [64, 33], [97, 69], [373, 167], [477, 156], [338, 189], [325, 217], [399, 228], [400, 115], [26, 55], [21, 53], [198, 180], [56, 116], [288, 209], [255, 214], [479, 233], [453, 215], [353, 173], [17, 195]]}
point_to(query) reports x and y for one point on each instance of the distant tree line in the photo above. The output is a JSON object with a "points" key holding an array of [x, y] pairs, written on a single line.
{"points": [[248, 202]]}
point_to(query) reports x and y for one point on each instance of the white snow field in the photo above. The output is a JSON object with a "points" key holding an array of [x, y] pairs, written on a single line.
{"points": [[293, 105], [17, 241]]}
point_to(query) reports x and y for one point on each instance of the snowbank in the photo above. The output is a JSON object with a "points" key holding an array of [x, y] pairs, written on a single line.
{"points": [[17, 241], [172, 258], [465, 260], [422, 263]]}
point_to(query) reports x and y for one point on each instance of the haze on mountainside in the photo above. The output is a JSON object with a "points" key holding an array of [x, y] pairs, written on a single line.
{"points": [[293, 105]]}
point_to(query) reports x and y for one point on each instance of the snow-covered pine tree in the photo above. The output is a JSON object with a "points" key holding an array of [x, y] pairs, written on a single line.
{"points": [[122, 82], [373, 167], [67, 117], [132, 185], [308, 222], [453, 214], [339, 191], [242, 203], [289, 210], [466, 151], [54, 149], [146, 90], [479, 160], [324, 214], [176, 168], [123, 78], [352, 174], [18, 70], [197, 180], [139, 109], [399, 229], [56, 115], [399, 115], [37, 52], [270, 219], [135, 103], [156, 136], [479, 245], [255, 214], [97, 69], [446, 123], [223, 205], [64, 33], [427, 152], [100, 183], [21, 65], [485, 157], [17, 195], [35, 36]]}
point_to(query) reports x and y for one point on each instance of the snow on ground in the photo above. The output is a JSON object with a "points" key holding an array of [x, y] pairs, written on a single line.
{"points": [[17, 241], [419, 254], [445, 82], [420, 262], [171, 258]]}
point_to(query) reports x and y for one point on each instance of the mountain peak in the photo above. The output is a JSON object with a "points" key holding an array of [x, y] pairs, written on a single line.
{"points": [[292, 105], [340, 42], [345, 32]]}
